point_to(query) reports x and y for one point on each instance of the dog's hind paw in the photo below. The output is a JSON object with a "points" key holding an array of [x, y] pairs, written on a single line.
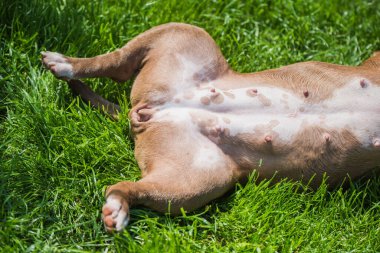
{"points": [[115, 213], [58, 64]]}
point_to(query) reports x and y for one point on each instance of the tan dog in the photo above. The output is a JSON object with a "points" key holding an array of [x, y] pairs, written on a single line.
{"points": [[200, 127]]}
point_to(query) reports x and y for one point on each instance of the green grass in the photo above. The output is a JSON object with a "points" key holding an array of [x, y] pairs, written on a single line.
{"points": [[57, 154]]}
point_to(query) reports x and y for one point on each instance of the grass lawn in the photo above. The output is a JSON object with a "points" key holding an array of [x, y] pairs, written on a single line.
{"points": [[57, 154]]}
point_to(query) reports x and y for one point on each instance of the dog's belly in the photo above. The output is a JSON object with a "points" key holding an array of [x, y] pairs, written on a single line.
{"points": [[272, 129]]}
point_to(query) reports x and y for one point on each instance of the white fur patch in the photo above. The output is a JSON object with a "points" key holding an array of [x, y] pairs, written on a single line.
{"points": [[54, 57], [351, 107], [206, 156], [118, 214], [64, 70], [58, 64]]}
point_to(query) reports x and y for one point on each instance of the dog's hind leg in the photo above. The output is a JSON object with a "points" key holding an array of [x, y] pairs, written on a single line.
{"points": [[118, 65], [121, 64]]}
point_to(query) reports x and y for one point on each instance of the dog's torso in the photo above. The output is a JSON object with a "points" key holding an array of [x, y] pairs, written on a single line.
{"points": [[300, 121]]}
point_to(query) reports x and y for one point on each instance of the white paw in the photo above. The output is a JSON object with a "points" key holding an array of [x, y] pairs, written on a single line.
{"points": [[115, 215], [57, 64]]}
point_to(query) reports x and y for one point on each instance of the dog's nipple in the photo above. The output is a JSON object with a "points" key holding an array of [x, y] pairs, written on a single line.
{"points": [[376, 143], [327, 137], [363, 83]]}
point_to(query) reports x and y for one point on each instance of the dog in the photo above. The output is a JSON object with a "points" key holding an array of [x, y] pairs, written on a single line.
{"points": [[200, 127]]}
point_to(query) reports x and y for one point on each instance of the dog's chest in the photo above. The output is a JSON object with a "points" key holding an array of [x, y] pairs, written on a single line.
{"points": [[275, 115]]}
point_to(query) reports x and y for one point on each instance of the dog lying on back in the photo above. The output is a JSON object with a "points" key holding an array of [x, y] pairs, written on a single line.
{"points": [[200, 127]]}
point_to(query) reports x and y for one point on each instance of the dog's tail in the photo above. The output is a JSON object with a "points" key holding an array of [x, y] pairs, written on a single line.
{"points": [[81, 89]]}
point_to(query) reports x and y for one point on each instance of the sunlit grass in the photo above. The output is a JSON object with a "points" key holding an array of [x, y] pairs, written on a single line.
{"points": [[58, 154]]}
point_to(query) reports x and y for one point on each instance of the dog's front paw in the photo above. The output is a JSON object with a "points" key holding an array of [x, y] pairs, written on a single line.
{"points": [[58, 64], [115, 213]]}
